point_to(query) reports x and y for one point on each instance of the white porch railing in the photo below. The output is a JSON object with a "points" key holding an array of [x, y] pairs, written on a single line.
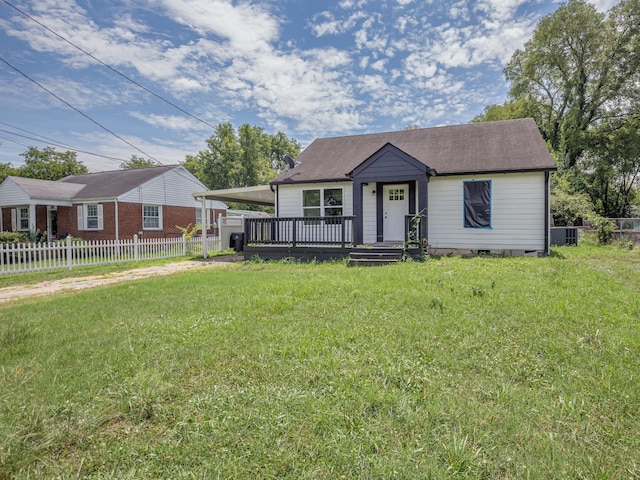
{"points": [[69, 253]]}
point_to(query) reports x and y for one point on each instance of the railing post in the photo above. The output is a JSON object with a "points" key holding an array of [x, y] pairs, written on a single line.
{"points": [[344, 231], [136, 247], [294, 235], [69, 253]]}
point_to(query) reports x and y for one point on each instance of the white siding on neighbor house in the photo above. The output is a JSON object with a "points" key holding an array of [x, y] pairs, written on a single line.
{"points": [[12, 194], [290, 197], [517, 213], [369, 218], [172, 188]]}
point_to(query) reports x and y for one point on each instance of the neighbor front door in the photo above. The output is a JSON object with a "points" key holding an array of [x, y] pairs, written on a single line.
{"points": [[395, 206]]}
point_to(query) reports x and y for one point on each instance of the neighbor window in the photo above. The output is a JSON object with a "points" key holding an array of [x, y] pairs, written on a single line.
{"points": [[477, 204], [23, 218], [322, 202], [90, 216], [151, 217]]}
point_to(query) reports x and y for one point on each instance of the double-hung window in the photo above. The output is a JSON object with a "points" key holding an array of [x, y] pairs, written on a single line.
{"points": [[90, 216], [20, 219], [477, 204], [23, 218], [322, 202], [152, 217]]}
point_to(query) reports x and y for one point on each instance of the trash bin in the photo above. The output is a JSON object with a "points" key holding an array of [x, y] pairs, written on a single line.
{"points": [[236, 241]]}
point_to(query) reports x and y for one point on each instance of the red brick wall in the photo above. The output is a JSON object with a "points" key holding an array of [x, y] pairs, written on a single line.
{"points": [[6, 219], [41, 218], [130, 221]]}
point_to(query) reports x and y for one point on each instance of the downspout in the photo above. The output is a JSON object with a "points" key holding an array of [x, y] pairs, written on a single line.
{"points": [[547, 218], [115, 201]]}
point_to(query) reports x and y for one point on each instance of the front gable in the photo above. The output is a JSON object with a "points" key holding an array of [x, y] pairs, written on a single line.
{"points": [[390, 164], [12, 194]]}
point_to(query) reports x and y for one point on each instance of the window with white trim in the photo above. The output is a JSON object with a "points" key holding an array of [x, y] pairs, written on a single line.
{"points": [[152, 217], [90, 217], [20, 219], [322, 202], [23, 218], [477, 204]]}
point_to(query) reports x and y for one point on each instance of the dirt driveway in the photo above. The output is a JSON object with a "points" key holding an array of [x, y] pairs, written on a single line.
{"points": [[8, 294]]}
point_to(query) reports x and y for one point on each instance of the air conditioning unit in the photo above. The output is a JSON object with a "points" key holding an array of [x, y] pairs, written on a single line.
{"points": [[564, 236]]}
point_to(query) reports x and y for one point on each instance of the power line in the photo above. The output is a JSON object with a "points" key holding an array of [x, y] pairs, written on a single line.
{"points": [[110, 67], [15, 141], [77, 110], [53, 142]]}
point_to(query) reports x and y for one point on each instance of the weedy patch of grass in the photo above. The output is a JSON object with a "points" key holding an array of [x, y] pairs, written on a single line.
{"points": [[30, 278], [452, 368]]}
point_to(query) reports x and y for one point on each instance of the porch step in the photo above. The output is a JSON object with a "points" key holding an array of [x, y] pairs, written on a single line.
{"points": [[369, 257]]}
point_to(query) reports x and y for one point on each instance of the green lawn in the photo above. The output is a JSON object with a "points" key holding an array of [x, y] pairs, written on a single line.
{"points": [[488, 368]]}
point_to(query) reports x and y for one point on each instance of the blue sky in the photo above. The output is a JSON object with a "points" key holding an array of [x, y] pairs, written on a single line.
{"points": [[309, 68]]}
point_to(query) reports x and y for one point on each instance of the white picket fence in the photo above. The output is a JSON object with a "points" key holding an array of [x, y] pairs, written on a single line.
{"points": [[70, 253]]}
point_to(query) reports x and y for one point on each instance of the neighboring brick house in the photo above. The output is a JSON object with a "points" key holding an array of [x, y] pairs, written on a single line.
{"points": [[117, 204]]}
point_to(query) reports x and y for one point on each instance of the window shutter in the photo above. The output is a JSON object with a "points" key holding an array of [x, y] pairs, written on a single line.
{"points": [[14, 220], [80, 218], [100, 221]]}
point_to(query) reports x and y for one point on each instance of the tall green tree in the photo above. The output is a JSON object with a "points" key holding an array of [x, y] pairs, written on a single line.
{"points": [[138, 162], [241, 158], [579, 69], [609, 171], [48, 164], [7, 169], [578, 78]]}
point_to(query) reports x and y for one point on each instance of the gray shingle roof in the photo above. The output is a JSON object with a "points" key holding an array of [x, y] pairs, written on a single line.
{"points": [[113, 183], [47, 189], [505, 146]]}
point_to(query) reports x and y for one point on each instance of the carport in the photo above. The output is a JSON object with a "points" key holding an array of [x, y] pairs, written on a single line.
{"points": [[255, 195]]}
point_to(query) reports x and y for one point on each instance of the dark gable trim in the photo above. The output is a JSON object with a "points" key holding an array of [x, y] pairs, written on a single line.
{"points": [[497, 172], [320, 180], [390, 162]]}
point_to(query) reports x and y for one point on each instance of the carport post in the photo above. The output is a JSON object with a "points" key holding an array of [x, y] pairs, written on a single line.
{"points": [[204, 226]]}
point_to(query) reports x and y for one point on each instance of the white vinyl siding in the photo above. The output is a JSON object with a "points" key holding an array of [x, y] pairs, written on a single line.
{"points": [[290, 197], [369, 217], [517, 213], [90, 216], [12, 194], [152, 217], [173, 188]]}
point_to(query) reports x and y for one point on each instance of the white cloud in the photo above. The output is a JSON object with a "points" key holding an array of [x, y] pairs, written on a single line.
{"points": [[169, 122], [247, 26], [603, 5]]}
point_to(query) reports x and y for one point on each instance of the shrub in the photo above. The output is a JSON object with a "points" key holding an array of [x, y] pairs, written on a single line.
{"points": [[603, 228], [9, 238]]}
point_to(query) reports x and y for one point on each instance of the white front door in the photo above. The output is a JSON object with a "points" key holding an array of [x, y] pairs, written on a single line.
{"points": [[395, 206]]}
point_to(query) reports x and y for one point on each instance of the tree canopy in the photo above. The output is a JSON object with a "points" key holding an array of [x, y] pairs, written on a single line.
{"points": [[578, 78], [138, 162], [241, 158], [45, 164]]}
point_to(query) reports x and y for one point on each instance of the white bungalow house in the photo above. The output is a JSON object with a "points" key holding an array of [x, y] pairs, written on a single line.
{"points": [[464, 189]]}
